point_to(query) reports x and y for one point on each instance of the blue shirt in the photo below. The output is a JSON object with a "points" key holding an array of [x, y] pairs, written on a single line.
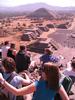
{"points": [[42, 92], [46, 58]]}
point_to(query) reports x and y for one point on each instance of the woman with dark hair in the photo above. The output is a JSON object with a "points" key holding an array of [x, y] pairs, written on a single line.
{"points": [[9, 65], [44, 89], [12, 77]]}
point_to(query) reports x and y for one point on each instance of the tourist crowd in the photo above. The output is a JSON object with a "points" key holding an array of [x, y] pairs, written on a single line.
{"points": [[45, 80]]}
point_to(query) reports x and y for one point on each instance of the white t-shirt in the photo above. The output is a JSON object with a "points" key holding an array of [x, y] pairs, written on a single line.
{"points": [[4, 51]]}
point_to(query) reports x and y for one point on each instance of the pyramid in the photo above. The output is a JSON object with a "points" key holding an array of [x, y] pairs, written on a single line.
{"points": [[41, 13]]}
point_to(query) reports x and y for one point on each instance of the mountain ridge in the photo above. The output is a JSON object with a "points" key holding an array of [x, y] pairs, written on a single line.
{"points": [[30, 8], [33, 7]]}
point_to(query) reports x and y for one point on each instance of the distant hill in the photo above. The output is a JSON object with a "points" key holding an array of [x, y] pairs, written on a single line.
{"points": [[42, 13], [34, 6], [26, 9]]}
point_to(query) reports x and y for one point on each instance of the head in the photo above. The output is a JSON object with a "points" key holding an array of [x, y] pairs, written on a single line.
{"points": [[6, 43], [12, 45], [52, 75], [9, 64], [73, 63], [48, 51], [22, 48]]}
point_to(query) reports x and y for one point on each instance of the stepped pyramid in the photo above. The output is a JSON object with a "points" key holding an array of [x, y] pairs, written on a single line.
{"points": [[42, 13]]}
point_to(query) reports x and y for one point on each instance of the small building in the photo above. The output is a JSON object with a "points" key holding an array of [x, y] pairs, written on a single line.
{"points": [[43, 28], [39, 45], [26, 37], [62, 26], [50, 25], [36, 31]]}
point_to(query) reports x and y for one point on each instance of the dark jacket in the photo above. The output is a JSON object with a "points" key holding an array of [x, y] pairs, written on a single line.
{"points": [[22, 61], [10, 54]]}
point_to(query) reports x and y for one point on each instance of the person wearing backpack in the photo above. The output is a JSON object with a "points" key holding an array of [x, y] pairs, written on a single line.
{"points": [[12, 77], [44, 89]]}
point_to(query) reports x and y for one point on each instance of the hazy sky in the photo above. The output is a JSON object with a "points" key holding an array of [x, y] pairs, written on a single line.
{"points": [[62, 3]]}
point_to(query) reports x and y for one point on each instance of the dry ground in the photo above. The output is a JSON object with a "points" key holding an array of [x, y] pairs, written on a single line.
{"points": [[67, 53]]}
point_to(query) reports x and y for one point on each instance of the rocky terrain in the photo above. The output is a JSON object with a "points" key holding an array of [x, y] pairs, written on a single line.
{"points": [[61, 36]]}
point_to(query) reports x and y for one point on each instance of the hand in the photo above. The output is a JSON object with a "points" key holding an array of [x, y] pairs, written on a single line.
{"points": [[25, 75]]}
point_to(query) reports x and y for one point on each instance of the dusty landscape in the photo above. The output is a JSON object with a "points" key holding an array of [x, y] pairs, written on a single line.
{"points": [[56, 33], [17, 26]]}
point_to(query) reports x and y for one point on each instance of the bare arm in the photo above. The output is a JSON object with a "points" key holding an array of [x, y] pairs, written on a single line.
{"points": [[22, 91], [26, 80], [63, 93]]}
